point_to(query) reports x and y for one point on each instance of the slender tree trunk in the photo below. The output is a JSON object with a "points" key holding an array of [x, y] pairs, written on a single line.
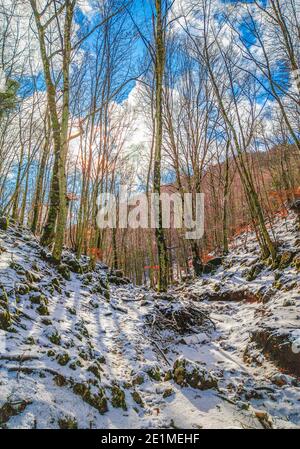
{"points": [[159, 74]]}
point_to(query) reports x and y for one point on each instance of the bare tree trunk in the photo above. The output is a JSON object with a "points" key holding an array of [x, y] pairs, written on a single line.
{"points": [[159, 74]]}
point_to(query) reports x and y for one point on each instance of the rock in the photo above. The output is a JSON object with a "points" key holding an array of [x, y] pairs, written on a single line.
{"points": [[255, 271], [212, 265], [295, 206], [32, 276], [88, 279], [53, 335], [296, 263], [99, 288], [42, 310], [63, 358], [55, 282], [287, 302], [281, 348], [73, 263], [22, 289], [267, 295], [63, 269], [5, 319], [96, 369], [46, 255], [138, 379], [280, 379], [168, 392], [3, 296], [10, 409], [164, 296], [117, 280], [60, 380], [286, 259], [137, 398], [96, 400], [41, 300], [38, 298], [118, 397], [154, 374], [67, 422], [4, 223], [230, 295], [189, 373], [264, 418]]}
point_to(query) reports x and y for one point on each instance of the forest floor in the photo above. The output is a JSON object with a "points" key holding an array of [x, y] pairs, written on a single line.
{"points": [[90, 350]]}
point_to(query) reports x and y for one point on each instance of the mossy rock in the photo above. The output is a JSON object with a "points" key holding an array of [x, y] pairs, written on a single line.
{"points": [[212, 265], [60, 380], [64, 270], [5, 319], [168, 376], [278, 285], [42, 310], [55, 338], [33, 287], [254, 272], [277, 275], [4, 223], [187, 373], [67, 422], [72, 310], [74, 365], [118, 397], [138, 380], [137, 398], [17, 267], [82, 329], [46, 321], [216, 287], [102, 290], [296, 264], [63, 358], [22, 289], [168, 392], [35, 266], [84, 355], [98, 400], [290, 286], [88, 279], [117, 280], [179, 373], [154, 374], [50, 353], [38, 298], [10, 409], [32, 276], [55, 282], [96, 369], [3, 295], [74, 265], [101, 359], [103, 282], [30, 341], [286, 259]]}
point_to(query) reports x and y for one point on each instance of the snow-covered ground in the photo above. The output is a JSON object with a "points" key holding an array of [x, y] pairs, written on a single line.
{"points": [[72, 356]]}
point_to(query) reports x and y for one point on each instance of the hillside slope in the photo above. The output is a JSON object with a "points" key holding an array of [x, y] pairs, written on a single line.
{"points": [[87, 349]]}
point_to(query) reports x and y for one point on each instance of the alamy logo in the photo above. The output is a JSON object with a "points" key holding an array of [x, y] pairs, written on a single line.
{"points": [[142, 211]]}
